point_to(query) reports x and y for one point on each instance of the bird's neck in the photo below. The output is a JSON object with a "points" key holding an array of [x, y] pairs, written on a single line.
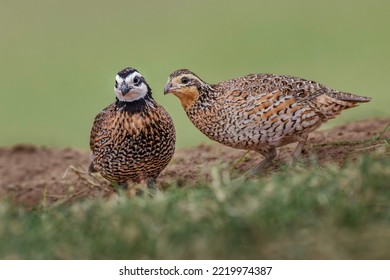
{"points": [[135, 106], [207, 92]]}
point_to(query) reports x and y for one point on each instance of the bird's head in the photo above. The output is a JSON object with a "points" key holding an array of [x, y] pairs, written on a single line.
{"points": [[186, 86], [130, 85]]}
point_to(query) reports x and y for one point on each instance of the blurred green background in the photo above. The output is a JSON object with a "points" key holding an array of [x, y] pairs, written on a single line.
{"points": [[58, 59]]}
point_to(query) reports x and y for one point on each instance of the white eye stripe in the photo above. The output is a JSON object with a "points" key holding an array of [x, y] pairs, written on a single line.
{"points": [[130, 79], [118, 79]]}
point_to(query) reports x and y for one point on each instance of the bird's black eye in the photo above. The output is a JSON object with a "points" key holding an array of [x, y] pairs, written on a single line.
{"points": [[116, 83], [185, 80], [137, 81]]}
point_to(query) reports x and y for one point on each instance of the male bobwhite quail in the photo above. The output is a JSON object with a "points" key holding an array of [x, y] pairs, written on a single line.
{"points": [[258, 112], [133, 139]]}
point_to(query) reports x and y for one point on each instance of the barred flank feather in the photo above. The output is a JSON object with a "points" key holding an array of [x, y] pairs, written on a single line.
{"points": [[259, 111]]}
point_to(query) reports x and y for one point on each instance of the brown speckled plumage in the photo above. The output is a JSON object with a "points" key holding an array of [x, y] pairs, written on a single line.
{"points": [[259, 111], [132, 140]]}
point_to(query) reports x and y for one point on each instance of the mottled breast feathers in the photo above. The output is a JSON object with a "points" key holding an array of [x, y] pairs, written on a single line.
{"points": [[130, 143]]}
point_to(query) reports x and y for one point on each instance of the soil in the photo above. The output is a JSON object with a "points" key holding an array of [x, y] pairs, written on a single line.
{"points": [[42, 177]]}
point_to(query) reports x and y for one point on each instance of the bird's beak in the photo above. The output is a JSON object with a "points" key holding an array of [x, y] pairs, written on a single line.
{"points": [[124, 89], [167, 88]]}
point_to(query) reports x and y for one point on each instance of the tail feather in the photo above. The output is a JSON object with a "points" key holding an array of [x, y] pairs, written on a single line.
{"points": [[345, 96], [332, 103]]}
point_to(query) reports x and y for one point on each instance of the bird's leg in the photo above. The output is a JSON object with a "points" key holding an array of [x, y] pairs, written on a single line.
{"points": [[150, 182], [119, 186], [269, 154], [298, 150], [91, 166]]}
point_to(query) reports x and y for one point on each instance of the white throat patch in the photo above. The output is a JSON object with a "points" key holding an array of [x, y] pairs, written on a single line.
{"points": [[136, 91]]}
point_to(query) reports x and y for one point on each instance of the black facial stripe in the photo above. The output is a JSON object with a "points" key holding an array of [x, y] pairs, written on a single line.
{"points": [[137, 80], [185, 80]]}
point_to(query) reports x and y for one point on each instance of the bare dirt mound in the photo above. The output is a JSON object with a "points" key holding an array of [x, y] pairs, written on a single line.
{"points": [[39, 176]]}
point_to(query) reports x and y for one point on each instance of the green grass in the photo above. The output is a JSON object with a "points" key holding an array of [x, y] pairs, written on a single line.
{"points": [[58, 58], [321, 213]]}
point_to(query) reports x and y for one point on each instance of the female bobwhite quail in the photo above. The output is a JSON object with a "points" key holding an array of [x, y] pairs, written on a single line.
{"points": [[133, 139], [259, 111]]}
